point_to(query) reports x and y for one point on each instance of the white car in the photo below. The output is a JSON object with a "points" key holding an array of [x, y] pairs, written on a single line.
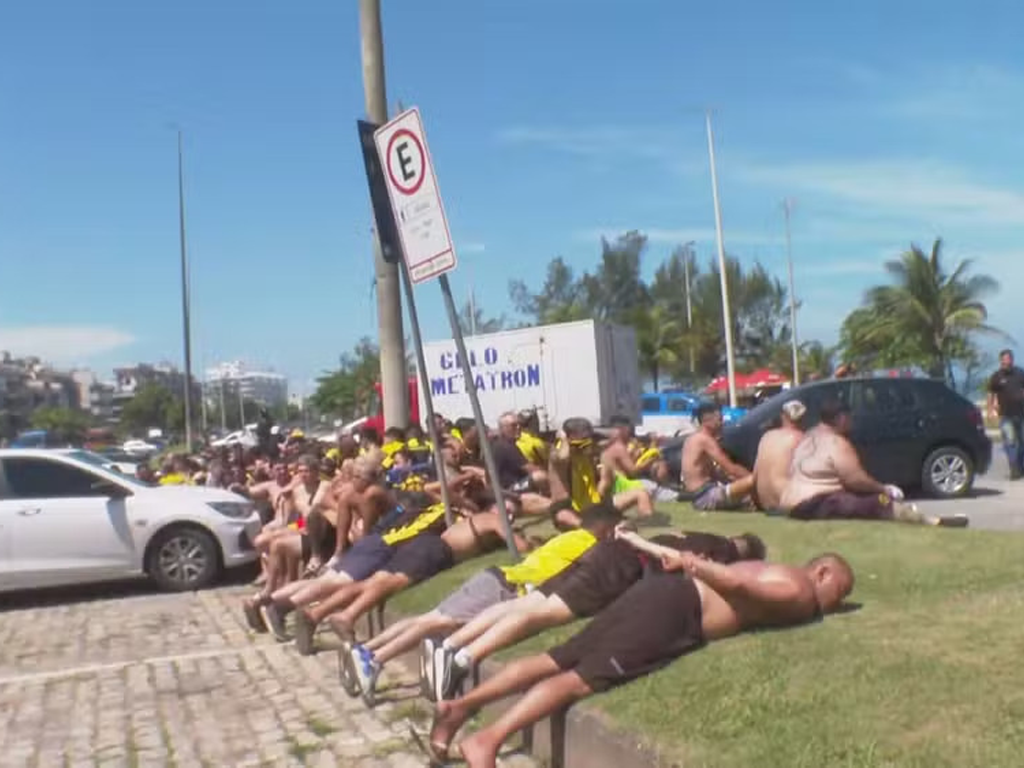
{"points": [[139, 448], [67, 517]]}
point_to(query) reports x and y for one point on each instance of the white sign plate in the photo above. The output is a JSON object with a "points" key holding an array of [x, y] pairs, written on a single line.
{"points": [[415, 198]]}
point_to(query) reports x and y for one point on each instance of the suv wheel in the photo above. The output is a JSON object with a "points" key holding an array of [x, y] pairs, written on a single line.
{"points": [[948, 472], [182, 559]]}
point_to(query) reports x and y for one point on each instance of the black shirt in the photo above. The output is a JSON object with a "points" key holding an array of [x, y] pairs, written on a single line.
{"points": [[509, 462], [1008, 387]]}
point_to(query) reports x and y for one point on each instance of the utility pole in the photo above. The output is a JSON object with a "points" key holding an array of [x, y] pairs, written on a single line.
{"points": [[730, 361], [687, 250], [787, 208], [394, 376], [185, 300]]}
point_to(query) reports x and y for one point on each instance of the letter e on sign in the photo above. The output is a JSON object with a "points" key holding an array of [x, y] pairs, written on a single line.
{"points": [[415, 197]]}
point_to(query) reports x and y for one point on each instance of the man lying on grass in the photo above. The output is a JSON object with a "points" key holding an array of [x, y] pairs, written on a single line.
{"points": [[487, 591], [689, 603], [582, 590], [423, 557]]}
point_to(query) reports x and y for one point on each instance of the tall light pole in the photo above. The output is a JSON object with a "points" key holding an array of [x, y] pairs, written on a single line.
{"points": [[185, 299], [730, 362], [394, 375], [787, 209], [687, 251]]}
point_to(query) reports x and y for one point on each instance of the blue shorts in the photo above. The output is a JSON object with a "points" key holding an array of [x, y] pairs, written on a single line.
{"points": [[365, 557]]}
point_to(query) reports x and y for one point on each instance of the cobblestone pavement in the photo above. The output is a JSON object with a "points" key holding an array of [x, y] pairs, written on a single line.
{"points": [[178, 680]]}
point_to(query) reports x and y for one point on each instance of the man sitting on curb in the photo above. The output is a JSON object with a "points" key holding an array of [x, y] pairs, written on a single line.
{"points": [[662, 617], [486, 593], [586, 588], [715, 481], [827, 480]]}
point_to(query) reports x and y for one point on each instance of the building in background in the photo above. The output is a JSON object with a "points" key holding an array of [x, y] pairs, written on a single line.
{"points": [[128, 381], [94, 396], [235, 382], [26, 383]]}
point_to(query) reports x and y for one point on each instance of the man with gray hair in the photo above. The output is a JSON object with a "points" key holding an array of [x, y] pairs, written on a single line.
{"points": [[775, 454]]}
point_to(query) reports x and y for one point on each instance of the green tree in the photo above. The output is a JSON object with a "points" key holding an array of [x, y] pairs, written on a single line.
{"points": [[928, 315], [66, 425], [560, 299], [349, 391], [154, 406], [658, 340]]}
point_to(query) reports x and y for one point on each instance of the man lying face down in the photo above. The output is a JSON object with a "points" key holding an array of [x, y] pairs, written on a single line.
{"points": [[663, 616]]}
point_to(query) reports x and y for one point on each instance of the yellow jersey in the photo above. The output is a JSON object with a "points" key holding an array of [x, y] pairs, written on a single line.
{"points": [[582, 477], [418, 525], [175, 478], [390, 449], [548, 560], [533, 449]]}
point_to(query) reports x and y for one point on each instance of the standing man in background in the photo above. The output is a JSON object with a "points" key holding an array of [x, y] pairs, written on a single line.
{"points": [[1006, 402]]}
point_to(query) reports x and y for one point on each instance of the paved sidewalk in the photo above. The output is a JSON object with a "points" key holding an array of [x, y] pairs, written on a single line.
{"points": [[177, 680]]}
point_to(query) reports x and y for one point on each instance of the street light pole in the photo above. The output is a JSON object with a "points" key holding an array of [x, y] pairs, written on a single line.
{"points": [[393, 372], [730, 361], [787, 207], [185, 299], [689, 304]]}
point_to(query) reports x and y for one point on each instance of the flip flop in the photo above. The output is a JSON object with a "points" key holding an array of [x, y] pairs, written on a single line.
{"points": [[427, 748], [347, 675], [954, 521]]}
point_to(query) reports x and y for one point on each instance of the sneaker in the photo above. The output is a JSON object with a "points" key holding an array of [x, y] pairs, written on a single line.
{"points": [[442, 663], [305, 630], [274, 619], [367, 670], [954, 521], [453, 682], [427, 648]]}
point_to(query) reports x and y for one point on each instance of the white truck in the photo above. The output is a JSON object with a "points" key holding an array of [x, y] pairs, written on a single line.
{"points": [[585, 368]]}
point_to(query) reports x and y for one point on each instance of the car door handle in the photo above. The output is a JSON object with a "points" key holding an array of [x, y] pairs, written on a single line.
{"points": [[30, 511]]}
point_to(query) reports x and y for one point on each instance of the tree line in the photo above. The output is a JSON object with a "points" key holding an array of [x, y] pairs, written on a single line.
{"points": [[926, 315]]}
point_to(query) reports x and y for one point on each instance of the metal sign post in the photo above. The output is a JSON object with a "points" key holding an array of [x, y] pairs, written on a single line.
{"points": [[392, 249], [426, 244]]}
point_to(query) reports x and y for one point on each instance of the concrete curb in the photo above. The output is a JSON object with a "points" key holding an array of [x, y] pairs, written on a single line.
{"points": [[578, 738]]}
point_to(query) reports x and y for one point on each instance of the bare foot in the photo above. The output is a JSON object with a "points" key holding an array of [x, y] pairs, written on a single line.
{"points": [[448, 718], [477, 753]]}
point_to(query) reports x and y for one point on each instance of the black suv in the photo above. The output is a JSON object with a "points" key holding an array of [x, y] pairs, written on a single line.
{"points": [[915, 433]]}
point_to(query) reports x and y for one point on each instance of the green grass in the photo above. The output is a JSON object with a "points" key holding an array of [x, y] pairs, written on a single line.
{"points": [[929, 671]]}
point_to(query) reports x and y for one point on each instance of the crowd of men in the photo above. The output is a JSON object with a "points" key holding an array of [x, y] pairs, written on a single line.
{"points": [[347, 526]]}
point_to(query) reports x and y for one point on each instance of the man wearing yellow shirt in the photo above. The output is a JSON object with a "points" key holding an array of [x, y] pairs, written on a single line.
{"points": [[487, 591]]}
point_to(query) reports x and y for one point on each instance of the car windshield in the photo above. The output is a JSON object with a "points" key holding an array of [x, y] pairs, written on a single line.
{"points": [[96, 460]]}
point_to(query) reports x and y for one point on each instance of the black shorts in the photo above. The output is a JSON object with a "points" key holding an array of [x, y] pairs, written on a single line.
{"points": [[653, 623], [597, 579], [843, 505], [365, 557], [422, 557]]}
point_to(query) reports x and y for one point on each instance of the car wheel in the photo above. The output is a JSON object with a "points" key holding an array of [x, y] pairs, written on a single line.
{"points": [[948, 472], [183, 558]]}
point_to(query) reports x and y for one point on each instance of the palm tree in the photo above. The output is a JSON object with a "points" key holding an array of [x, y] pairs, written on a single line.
{"points": [[934, 310], [658, 341]]}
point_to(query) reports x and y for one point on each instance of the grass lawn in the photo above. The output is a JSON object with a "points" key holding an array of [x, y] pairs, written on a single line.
{"points": [[928, 671]]}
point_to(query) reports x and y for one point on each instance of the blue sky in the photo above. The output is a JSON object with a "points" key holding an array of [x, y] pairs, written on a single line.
{"points": [[551, 122]]}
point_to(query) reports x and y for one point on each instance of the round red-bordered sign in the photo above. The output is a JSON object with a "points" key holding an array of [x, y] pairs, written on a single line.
{"points": [[418, 181]]}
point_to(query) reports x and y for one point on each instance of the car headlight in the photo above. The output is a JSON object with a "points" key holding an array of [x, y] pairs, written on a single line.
{"points": [[236, 509]]}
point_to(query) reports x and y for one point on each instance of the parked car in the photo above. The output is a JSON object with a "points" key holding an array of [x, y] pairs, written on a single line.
{"points": [[913, 432], [67, 517]]}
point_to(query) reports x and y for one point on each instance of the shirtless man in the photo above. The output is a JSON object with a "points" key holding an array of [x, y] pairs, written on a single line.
{"points": [[619, 471], [363, 504], [662, 617], [774, 456], [305, 494], [715, 480], [827, 480], [595, 581]]}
